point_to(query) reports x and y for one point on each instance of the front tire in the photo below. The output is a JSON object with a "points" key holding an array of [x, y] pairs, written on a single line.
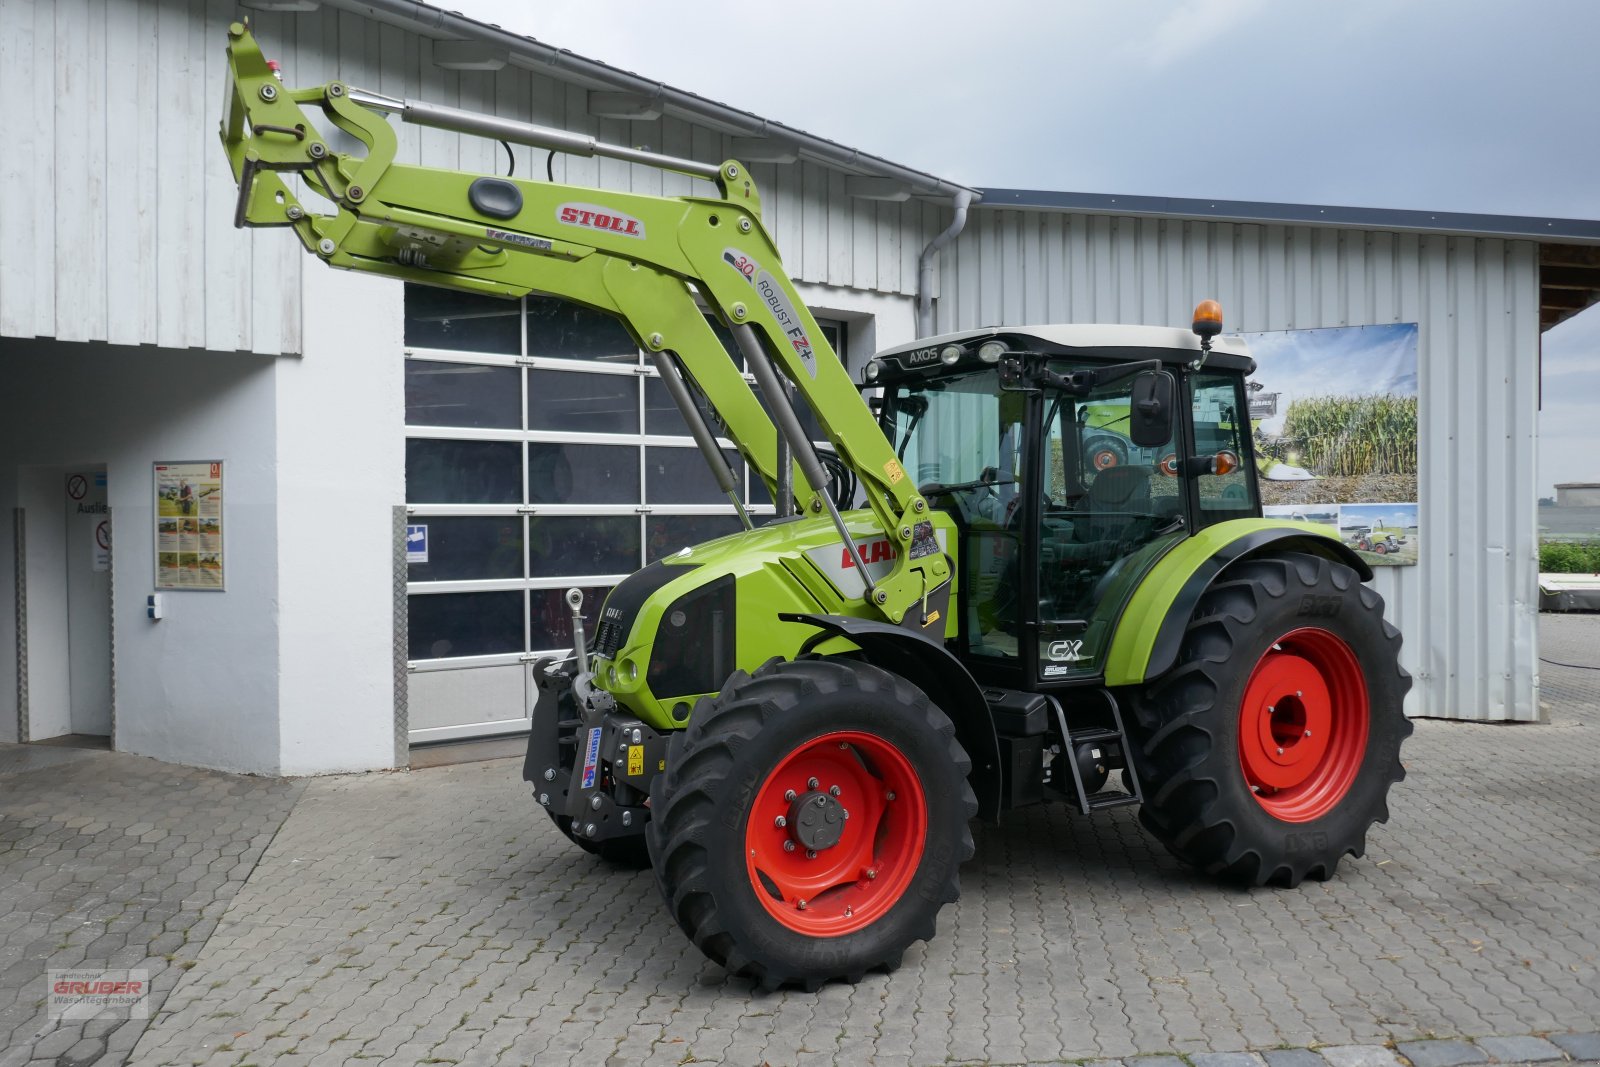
{"points": [[1268, 751], [811, 821]]}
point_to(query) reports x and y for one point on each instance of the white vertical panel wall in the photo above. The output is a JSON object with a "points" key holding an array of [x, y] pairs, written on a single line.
{"points": [[116, 204], [1468, 610]]}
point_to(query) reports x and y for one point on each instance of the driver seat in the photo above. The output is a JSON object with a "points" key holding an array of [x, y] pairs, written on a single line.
{"points": [[1117, 497]]}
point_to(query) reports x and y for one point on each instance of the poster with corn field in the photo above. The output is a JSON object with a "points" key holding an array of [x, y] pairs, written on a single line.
{"points": [[1334, 414]]}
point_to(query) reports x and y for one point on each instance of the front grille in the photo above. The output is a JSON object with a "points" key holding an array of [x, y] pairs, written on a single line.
{"points": [[622, 607]]}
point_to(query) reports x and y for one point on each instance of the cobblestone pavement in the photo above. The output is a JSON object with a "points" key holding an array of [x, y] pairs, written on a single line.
{"points": [[114, 861], [437, 918]]}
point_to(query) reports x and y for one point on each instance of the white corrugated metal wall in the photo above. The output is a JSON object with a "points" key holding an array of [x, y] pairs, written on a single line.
{"points": [[116, 204], [1469, 608]]}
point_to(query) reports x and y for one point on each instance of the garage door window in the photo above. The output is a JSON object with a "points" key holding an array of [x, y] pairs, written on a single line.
{"points": [[542, 453]]}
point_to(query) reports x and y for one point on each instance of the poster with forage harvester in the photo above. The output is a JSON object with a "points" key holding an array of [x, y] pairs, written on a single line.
{"points": [[189, 525], [1334, 417]]}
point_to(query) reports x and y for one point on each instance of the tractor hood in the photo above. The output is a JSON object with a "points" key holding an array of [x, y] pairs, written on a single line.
{"points": [[672, 632]]}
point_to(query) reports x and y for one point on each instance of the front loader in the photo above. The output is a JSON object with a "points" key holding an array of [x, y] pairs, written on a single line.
{"points": [[1054, 583]]}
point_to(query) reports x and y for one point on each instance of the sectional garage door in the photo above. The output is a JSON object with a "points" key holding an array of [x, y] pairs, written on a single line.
{"points": [[542, 452]]}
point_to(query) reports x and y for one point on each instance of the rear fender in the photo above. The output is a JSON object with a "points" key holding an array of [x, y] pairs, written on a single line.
{"points": [[937, 673], [1151, 627]]}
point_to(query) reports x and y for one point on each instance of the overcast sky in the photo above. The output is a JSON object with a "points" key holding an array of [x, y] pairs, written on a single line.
{"points": [[1450, 105]]}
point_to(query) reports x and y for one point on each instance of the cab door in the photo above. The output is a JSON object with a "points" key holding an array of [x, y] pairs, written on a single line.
{"points": [[1109, 509]]}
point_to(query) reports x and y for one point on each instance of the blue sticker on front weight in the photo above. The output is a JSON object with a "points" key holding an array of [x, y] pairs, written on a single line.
{"points": [[591, 758]]}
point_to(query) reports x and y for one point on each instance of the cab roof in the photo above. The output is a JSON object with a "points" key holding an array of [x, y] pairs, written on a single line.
{"points": [[1073, 335]]}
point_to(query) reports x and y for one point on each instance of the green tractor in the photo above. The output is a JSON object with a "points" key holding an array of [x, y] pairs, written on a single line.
{"points": [[970, 610]]}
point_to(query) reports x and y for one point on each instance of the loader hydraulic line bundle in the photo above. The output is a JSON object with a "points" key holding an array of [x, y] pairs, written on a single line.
{"points": [[1056, 586]]}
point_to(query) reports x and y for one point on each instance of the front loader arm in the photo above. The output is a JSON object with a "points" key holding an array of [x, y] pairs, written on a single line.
{"points": [[640, 258]]}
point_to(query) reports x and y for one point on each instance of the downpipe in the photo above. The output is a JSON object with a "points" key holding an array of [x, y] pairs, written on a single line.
{"points": [[961, 202]]}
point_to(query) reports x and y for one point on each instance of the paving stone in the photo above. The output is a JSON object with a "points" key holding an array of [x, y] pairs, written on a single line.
{"points": [[88, 1050], [1580, 1046], [1155, 1061], [1225, 1059], [1359, 1056], [1520, 1049], [1441, 1053], [1293, 1057]]}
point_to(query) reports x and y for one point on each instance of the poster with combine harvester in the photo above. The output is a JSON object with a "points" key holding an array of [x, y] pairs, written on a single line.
{"points": [[1334, 414]]}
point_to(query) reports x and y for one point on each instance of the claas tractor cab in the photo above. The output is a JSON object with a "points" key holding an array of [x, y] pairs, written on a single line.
{"points": [[1051, 548], [1030, 568]]}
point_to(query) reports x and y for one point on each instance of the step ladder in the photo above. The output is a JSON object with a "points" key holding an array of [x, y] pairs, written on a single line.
{"points": [[1113, 735]]}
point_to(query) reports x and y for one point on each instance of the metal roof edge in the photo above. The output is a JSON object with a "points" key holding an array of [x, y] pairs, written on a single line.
{"points": [[1520, 227], [424, 18]]}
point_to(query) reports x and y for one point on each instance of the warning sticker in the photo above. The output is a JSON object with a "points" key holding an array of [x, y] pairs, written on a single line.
{"points": [[635, 760], [923, 543], [591, 758], [894, 471]]}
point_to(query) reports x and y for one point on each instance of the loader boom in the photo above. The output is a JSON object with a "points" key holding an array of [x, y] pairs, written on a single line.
{"points": [[641, 258]]}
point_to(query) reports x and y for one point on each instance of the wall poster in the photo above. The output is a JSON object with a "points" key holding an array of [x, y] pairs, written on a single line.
{"points": [[1334, 413], [189, 525]]}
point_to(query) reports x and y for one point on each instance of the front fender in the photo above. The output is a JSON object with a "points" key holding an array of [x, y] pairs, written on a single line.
{"points": [[1145, 644], [929, 666]]}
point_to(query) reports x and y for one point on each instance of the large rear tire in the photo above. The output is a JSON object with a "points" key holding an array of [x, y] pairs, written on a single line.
{"points": [[1268, 751], [811, 821]]}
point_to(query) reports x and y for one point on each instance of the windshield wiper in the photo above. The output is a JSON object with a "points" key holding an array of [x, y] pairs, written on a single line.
{"points": [[1084, 382]]}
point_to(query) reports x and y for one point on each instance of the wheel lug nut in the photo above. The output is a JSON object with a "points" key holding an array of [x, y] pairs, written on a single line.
{"points": [[780, 822], [848, 911], [788, 794], [811, 853], [1280, 751], [834, 790], [788, 846], [811, 783], [1308, 733], [846, 812], [801, 904], [872, 873], [1271, 710], [1299, 693], [891, 794]]}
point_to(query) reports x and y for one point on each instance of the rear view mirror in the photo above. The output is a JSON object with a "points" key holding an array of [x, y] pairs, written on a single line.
{"points": [[1150, 409]]}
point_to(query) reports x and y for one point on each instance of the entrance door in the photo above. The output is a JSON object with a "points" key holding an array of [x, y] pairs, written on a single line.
{"points": [[88, 567]]}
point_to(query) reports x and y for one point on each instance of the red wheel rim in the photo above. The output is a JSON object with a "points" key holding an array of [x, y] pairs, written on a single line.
{"points": [[851, 884], [1303, 725]]}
